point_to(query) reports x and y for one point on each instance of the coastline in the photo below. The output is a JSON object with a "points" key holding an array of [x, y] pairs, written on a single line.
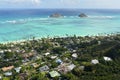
{"points": [[65, 36]]}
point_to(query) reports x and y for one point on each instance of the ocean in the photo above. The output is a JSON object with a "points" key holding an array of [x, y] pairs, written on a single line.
{"points": [[24, 24]]}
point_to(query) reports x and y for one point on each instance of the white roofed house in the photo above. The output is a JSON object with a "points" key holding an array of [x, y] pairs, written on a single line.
{"points": [[8, 73], [46, 53], [18, 69], [107, 58], [53, 57], [0, 77], [9, 50], [71, 67], [94, 61], [99, 42], [2, 53], [74, 55]]}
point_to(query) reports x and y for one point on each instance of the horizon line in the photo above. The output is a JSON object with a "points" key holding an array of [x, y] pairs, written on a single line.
{"points": [[54, 8]]}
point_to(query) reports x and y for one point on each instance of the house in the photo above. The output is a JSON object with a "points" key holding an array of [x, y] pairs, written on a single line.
{"points": [[46, 53], [107, 58], [35, 65], [74, 51], [42, 62], [23, 76], [99, 42], [82, 68], [8, 74], [18, 51], [36, 57], [74, 55], [71, 67], [18, 69], [25, 60], [44, 68], [65, 67], [7, 68], [0, 77], [95, 61], [53, 57], [54, 73], [27, 55], [9, 50], [59, 61], [1, 51]]}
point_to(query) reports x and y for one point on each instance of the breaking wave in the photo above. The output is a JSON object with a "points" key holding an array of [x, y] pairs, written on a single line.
{"points": [[22, 21], [101, 17]]}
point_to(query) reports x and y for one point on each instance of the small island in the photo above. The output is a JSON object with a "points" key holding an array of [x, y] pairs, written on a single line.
{"points": [[56, 15], [82, 15]]}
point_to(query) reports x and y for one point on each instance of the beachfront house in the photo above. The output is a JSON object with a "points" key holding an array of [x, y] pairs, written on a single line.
{"points": [[18, 69], [8, 73], [94, 61], [107, 58], [44, 68], [54, 73]]}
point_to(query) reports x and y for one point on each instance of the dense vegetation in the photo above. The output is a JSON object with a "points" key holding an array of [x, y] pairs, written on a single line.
{"points": [[87, 49]]}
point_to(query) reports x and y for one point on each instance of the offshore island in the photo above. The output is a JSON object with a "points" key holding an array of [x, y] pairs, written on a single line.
{"points": [[62, 58]]}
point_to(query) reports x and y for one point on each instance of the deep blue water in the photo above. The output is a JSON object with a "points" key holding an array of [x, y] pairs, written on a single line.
{"points": [[13, 14]]}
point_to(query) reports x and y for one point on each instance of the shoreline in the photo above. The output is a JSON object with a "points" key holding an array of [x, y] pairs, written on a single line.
{"points": [[65, 36]]}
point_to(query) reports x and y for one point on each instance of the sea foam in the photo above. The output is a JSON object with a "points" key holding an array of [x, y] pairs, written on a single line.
{"points": [[102, 17]]}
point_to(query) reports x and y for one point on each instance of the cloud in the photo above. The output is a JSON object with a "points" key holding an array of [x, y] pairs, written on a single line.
{"points": [[70, 2], [35, 2]]}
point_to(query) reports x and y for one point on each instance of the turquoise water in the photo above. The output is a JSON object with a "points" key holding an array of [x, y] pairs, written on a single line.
{"points": [[36, 23]]}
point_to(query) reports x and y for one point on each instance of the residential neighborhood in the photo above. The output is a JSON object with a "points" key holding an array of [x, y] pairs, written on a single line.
{"points": [[76, 58]]}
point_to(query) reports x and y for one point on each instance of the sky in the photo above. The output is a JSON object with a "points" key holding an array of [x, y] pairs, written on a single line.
{"points": [[102, 4]]}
